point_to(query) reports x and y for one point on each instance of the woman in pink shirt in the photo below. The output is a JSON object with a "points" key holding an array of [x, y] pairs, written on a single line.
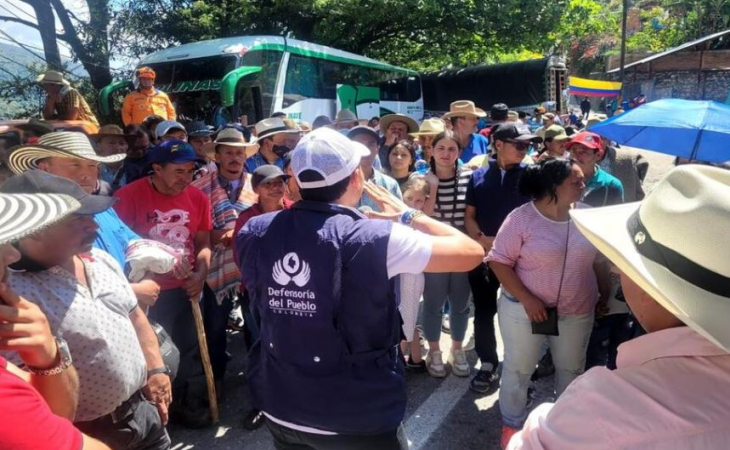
{"points": [[543, 262]]}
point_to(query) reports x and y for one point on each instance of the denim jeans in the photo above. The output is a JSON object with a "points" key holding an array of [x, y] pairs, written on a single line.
{"points": [[135, 425], [484, 286], [608, 333], [522, 351], [438, 288]]}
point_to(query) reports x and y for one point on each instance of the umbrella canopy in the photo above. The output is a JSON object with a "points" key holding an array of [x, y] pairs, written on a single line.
{"points": [[691, 129]]}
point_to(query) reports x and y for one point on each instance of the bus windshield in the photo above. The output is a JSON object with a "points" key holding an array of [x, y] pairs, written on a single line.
{"points": [[194, 86]]}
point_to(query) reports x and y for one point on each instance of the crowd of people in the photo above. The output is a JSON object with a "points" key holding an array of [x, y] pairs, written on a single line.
{"points": [[343, 251]]}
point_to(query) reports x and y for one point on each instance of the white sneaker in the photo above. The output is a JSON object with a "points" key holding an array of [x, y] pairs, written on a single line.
{"points": [[435, 364], [459, 365]]}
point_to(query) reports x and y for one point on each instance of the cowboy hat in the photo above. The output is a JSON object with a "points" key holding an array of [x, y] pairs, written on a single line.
{"points": [[24, 214], [271, 126], [52, 77], [345, 115], [671, 244], [110, 130], [230, 137], [430, 127], [388, 119], [464, 108], [61, 144]]}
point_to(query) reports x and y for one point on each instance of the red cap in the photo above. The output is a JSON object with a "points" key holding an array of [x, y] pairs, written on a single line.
{"points": [[590, 140]]}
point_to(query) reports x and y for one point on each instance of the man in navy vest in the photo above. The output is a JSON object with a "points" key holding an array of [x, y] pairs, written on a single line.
{"points": [[326, 369]]}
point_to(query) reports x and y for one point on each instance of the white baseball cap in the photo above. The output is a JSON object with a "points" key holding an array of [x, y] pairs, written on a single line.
{"points": [[324, 157]]}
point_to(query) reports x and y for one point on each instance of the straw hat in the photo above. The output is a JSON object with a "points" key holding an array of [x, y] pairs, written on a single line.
{"points": [[271, 126], [671, 245], [110, 130], [464, 108], [52, 77], [345, 115], [227, 136], [61, 144], [430, 127], [387, 119], [24, 214]]}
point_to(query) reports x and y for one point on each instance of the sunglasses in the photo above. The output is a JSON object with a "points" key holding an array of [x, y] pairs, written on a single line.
{"points": [[521, 146]]}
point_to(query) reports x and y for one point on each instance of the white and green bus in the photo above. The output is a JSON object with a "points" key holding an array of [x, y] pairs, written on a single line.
{"points": [[218, 80]]}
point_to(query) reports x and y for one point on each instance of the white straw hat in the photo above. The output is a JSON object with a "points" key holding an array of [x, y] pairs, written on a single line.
{"points": [[61, 144], [24, 214], [674, 245]]}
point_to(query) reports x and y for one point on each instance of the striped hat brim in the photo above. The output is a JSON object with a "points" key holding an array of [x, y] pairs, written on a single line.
{"points": [[23, 158], [22, 215]]}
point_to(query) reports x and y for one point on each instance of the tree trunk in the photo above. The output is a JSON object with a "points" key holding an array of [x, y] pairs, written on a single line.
{"points": [[47, 30]]}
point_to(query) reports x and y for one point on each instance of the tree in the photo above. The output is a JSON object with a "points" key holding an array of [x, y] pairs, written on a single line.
{"points": [[421, 34], [88, 39]]}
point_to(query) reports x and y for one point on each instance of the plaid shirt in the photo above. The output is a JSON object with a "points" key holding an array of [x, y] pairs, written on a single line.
{"points": [[71, 99]]}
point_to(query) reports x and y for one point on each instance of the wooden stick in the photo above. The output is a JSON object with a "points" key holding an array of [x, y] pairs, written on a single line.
{"points": [[203, 342]]}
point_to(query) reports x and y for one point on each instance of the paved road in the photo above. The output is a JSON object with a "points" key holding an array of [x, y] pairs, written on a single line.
{"points": [[441, 415]]}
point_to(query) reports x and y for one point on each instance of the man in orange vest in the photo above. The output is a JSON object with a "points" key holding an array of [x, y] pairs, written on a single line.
{"points": [[146, 100]]}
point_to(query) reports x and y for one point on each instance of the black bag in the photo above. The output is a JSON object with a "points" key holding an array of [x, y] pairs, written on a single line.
{"points": [[549, 327], [168, 349]]}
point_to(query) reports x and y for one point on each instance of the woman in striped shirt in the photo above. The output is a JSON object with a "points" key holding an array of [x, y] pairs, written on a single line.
{"points": [[448, 187], [543, 261]]}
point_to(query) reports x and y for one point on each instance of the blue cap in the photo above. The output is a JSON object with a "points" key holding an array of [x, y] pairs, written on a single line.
{"points": [[173, 151]]}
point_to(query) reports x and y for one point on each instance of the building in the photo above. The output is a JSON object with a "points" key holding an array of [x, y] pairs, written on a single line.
{"points": [[697, 70]]}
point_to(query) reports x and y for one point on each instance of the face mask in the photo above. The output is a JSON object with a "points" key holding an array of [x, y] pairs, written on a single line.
{"points": [[281, 150]]}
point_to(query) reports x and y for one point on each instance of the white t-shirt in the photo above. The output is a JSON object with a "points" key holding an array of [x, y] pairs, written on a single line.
{"points": [[408, 251]]}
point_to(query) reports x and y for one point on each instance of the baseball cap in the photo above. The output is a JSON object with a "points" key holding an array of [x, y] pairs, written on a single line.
{"points": [[173, 151], [266, 173], [324, 157], [511, 131], [499, 111], [145, 72], [556, 132], [39, 182], [360, 129], [197, 128], [590, 140], [166, 126]]}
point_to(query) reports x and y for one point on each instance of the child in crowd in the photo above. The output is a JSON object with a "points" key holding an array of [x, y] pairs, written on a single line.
{"points": [[415, 193]]}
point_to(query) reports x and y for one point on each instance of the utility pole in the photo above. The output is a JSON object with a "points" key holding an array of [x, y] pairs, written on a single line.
{"points": [[624, 19]]}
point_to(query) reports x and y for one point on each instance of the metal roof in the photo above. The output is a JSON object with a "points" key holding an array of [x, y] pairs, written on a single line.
{"points": [[673, 50]]}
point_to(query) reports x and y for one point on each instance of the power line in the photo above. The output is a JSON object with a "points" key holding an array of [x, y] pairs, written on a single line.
{"points": [[21, 10], [61, 43]]}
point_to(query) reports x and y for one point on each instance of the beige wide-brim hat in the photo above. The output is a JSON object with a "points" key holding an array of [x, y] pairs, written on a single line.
{"points": [[271, 126], [464, 108], [230, 137], [430, 127], [52, 77], [673, 244], [59, 144], [388, 119]]}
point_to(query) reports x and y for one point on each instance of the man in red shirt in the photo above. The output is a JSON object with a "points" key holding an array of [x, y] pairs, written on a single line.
{"points": [[31, 403], [166, 208]]}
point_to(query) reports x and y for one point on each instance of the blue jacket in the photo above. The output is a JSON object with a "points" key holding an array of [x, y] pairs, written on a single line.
{"points": [[327, 354]]}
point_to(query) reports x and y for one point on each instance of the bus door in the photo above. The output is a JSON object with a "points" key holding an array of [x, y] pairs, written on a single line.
{"points": [[241, 94], [111, 98]]}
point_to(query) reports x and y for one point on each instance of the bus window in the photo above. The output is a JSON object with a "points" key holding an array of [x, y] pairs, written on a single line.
{"points": [[303, 80]]}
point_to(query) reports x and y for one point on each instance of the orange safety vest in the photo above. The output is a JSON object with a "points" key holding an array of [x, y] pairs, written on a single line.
{"points": [[137, 106]]}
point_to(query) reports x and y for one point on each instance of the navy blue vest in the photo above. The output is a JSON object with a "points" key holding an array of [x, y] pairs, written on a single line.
{"points": [[327, 355]]}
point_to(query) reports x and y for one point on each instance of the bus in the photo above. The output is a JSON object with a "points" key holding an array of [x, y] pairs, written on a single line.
{"points": [[217, 81]]}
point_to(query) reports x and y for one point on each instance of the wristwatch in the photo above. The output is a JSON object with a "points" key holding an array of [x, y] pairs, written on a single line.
{"points": [[164, 369], [64, 360]]}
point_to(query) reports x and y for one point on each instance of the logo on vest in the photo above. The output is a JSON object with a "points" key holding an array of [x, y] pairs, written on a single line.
{"points": [[292, 302], [289, 269]]}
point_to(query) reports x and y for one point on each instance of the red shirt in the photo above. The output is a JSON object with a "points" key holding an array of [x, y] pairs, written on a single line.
{"points": [[26, 421], [171, 219], [244, 217]]}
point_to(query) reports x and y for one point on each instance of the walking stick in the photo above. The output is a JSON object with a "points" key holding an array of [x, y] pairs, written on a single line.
{"points": [[203, 342]]}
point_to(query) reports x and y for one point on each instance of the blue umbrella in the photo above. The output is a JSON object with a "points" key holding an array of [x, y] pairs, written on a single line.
{"points": [[692, 129]]}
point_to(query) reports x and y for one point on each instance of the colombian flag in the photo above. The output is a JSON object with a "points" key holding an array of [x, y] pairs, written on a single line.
{"points": [[594, 88]]}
